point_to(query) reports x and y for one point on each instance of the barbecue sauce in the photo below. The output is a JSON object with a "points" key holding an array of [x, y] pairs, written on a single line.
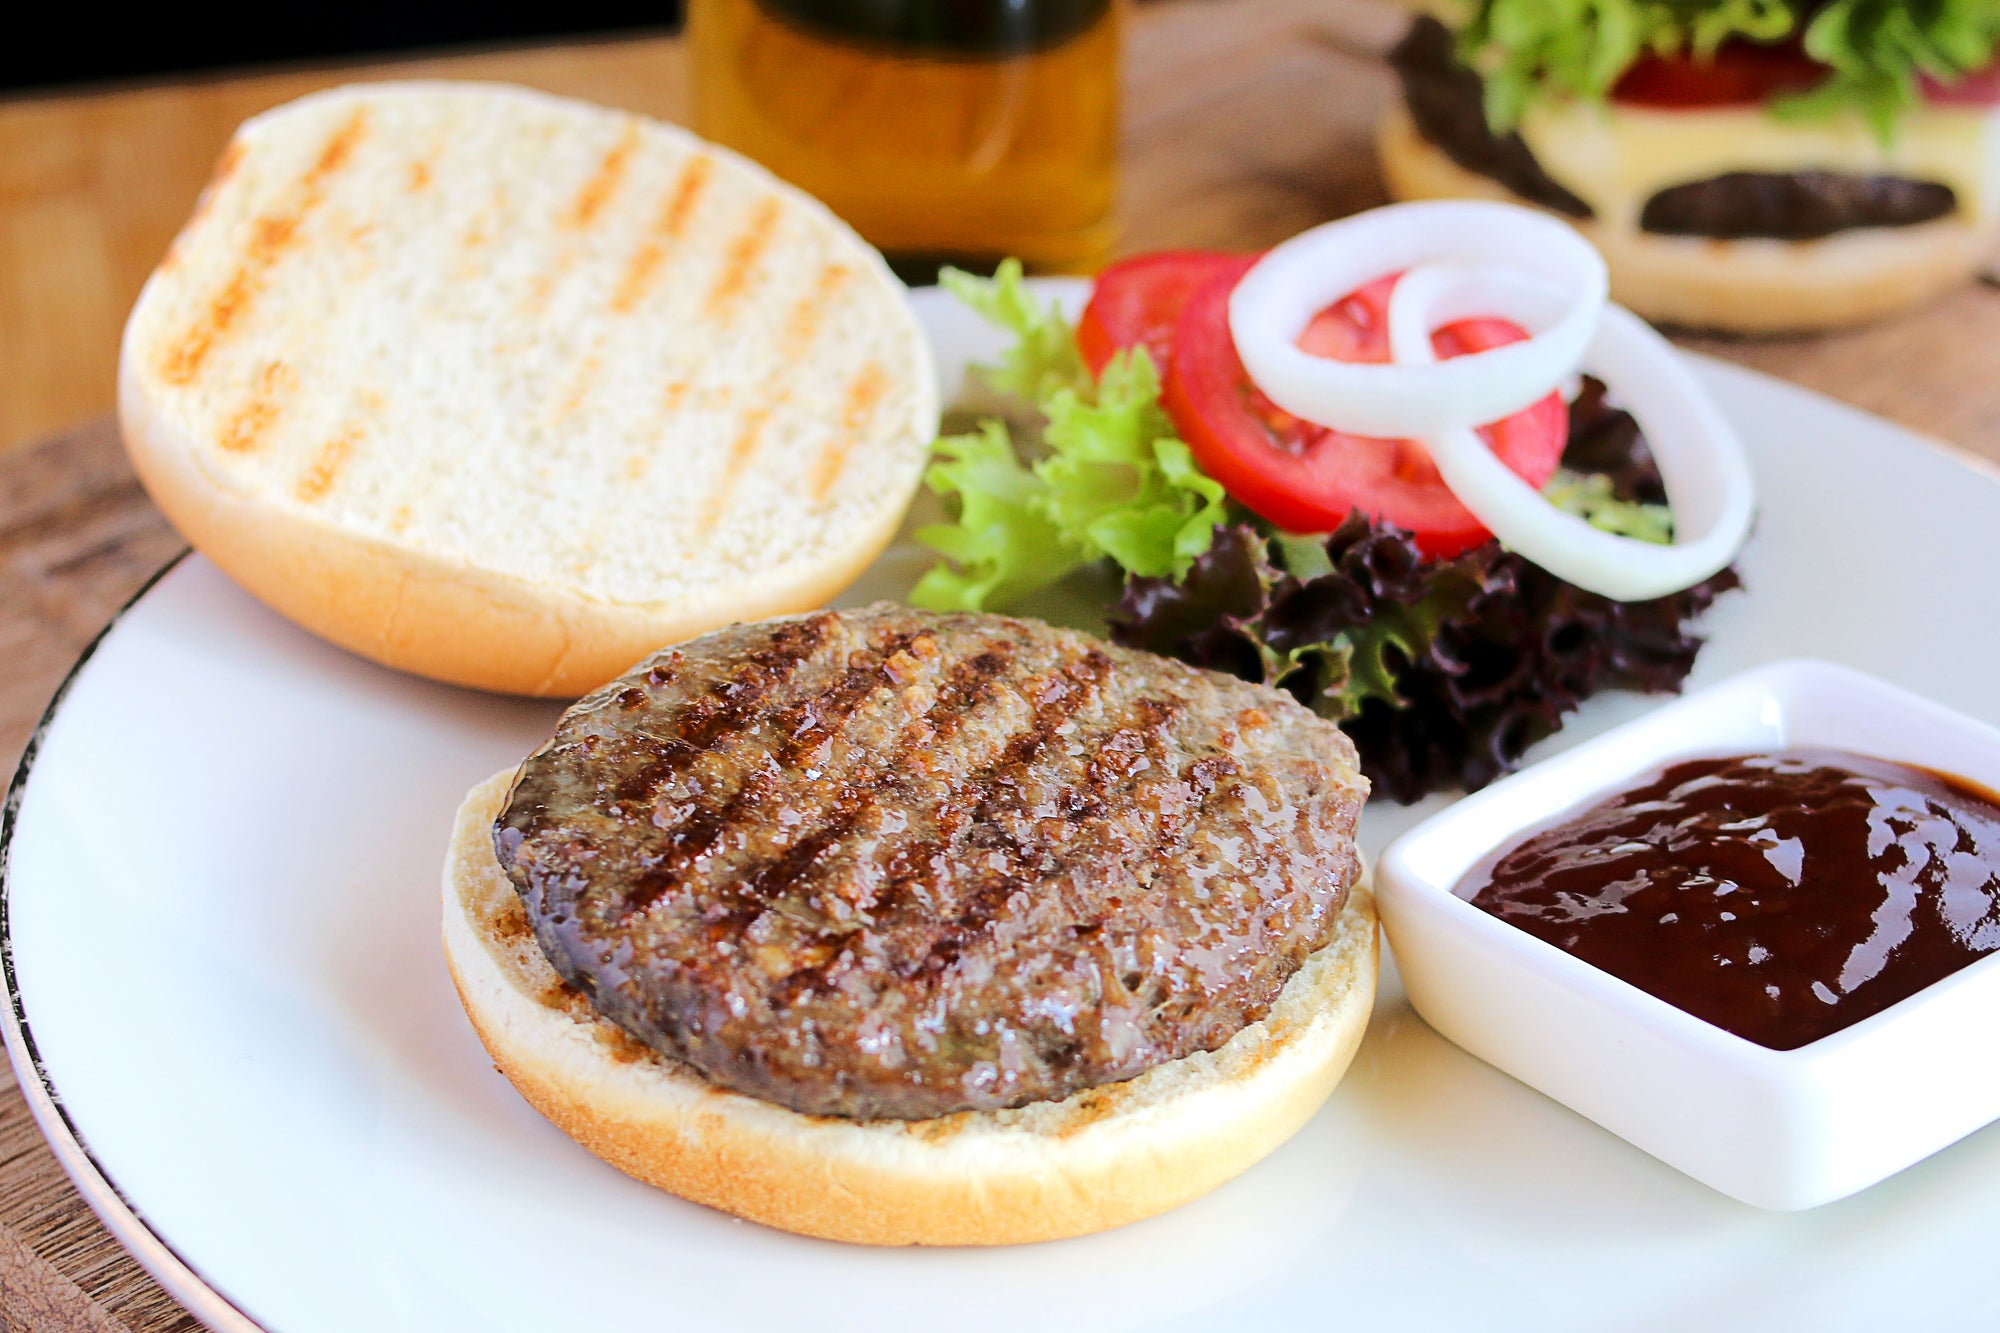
{"points": [[1782, 897]]}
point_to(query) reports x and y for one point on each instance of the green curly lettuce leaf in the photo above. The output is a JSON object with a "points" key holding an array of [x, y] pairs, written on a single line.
{"points": [[1877, 51], [1112, 480], [1044, 357], [1002, 546], [1527, 49], [1880, 50], [1120, 481], [1593, 498]]}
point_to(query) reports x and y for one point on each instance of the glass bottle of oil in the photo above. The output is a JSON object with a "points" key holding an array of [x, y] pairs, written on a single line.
{"points": [[957, 131]]}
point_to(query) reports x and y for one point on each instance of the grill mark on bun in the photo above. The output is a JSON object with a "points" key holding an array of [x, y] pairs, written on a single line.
{"points": [[856, 415], [687, 194], [333, 456], [581, 384], [245, 429], [639, 464], [741, 451], [743, 253], [803, 325], [478, 235], [225, 167], [271, 235], [676, 207], [543, 285], [339, 149], [597, 191]]}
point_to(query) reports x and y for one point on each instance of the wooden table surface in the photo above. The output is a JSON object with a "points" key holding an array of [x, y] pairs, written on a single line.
{"points": [[1246, 121]]}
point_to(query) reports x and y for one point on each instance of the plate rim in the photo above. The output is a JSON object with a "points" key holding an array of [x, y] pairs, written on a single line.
{"points": [[120, 1216]]}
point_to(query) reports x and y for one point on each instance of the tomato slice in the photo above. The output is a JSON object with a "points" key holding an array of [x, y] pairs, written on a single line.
{"points": [[1981, 89], [1738, 74], [1138, 301], [1306, 478], [1746, 74]]}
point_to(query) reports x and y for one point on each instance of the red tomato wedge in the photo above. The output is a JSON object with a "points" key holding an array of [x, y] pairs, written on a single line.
{"points": [[1136, 302], [1739, 74], [1306, 478]]}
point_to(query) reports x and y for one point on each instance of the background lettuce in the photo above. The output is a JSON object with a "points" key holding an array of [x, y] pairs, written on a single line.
{"points": [[1876, 50]]}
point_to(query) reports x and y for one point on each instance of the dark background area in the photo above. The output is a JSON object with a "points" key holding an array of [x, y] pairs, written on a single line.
{"points": [[73, 44]]}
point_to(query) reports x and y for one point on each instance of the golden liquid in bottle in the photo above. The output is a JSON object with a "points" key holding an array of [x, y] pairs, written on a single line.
{"points": [[959, 145]]}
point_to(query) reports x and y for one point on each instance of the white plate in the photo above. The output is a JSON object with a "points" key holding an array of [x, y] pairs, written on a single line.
{"points": [[231, 1014]]}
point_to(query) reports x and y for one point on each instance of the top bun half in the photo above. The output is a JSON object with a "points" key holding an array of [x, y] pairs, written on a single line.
{"points": [[509, 390]]}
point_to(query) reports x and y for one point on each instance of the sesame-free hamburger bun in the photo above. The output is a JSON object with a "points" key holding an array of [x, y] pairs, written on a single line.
{"points": [[509, 390], [914, 928]]}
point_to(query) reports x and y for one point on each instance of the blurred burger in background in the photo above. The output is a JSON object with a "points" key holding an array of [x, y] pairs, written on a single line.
{"points": [[1756, 166]]}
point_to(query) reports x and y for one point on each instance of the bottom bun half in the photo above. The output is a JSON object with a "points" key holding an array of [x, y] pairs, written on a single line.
{"points": [[1742, 286], [1096, 1160]]}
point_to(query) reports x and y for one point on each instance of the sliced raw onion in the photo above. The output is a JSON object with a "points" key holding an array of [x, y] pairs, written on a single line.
{"points": [[1708, 480], [1285, 289]]}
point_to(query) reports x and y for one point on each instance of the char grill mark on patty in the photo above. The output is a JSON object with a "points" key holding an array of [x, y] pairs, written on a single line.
{"points": [[733, 702], [888, 864], [803, 728]]}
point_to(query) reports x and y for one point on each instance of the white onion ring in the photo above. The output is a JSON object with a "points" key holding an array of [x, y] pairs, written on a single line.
{"points": [[1281, 293], [1708, 480]]}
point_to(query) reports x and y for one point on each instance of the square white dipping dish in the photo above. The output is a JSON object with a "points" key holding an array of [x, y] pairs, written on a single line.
{"points": [[1778, 1129]]}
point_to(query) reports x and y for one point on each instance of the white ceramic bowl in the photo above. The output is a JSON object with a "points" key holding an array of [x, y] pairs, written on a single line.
{"points": [[1779, 1129]]}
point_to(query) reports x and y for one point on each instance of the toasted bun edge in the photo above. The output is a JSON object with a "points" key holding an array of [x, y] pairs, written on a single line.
{"points": [[458, 621], [451, 621]]}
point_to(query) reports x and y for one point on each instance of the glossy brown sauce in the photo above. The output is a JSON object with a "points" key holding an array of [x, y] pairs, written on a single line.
{"points": [[1782, 897]]}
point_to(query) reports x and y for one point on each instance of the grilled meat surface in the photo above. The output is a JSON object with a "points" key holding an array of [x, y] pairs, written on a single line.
{"points": [[887, 863]]}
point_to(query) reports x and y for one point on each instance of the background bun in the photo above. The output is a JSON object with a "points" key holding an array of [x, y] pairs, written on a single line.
{"points": [[1743, 286], [509, 390], [1096, 1160]]}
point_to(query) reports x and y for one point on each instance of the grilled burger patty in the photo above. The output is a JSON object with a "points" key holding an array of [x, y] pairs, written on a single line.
{"points": [[893, 864]]}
